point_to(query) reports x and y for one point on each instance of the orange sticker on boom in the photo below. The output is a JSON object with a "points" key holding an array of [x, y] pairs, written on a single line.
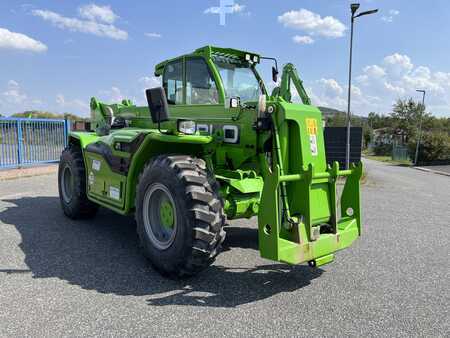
{"points": [[311, 126]]}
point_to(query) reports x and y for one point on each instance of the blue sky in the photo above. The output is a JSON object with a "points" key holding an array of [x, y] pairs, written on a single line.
{"points": [[55, 55]]}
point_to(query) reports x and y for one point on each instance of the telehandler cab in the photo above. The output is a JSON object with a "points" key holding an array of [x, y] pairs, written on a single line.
{"points": [[213, 145]]}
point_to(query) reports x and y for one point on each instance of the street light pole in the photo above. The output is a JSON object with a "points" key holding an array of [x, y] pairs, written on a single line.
{"points": [[353, 7], [420, 125]]}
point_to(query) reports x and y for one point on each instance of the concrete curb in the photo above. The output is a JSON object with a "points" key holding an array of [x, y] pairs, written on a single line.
{"points": [[432, 171], [11, 174]]}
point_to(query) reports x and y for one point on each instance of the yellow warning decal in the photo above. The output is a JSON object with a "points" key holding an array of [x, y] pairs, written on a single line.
{"points": [[311, 126]]}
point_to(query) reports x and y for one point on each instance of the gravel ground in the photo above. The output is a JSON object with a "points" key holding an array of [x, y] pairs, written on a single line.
{"points": [[64, 278]]}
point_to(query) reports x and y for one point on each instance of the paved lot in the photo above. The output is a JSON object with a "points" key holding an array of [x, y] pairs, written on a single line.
{"points": [[65, 278], [441, 168]]}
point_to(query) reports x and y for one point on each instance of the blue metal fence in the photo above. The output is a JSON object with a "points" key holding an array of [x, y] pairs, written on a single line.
{"points": [[31, 141]]}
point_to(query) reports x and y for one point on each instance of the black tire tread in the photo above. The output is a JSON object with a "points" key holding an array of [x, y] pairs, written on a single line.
{"points": [[205, 208], [83, 207]]}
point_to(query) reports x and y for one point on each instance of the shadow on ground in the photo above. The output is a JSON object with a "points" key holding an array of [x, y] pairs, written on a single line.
{"points": [[103, 255]]}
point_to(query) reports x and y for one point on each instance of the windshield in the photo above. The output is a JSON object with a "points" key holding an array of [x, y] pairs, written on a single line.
{"points": [[239, 81]]}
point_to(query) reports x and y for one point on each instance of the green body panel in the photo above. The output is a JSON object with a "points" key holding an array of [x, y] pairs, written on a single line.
{"points": [[278, 173], [101, 178]]}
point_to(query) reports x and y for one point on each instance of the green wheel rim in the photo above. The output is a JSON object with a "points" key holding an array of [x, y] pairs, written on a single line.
{"points": [[159, 216], [166, 214]]}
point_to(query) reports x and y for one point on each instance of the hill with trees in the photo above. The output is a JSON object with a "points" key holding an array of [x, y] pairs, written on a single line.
{"points": [[36, 114]]}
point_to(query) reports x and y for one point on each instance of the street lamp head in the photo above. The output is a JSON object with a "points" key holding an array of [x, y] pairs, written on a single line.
{"points": [[420, 90], [373, 11], [354, 7]]}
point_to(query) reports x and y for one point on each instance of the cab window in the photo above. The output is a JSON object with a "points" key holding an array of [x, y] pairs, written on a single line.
{"points": [[173, 82], [200, 85]]}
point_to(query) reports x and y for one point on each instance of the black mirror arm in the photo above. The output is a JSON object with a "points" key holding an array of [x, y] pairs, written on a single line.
{"points": [[273, 59], [274, 70]]}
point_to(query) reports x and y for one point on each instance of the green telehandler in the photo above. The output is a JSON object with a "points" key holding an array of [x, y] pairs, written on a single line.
{"points": [[214, 145]]}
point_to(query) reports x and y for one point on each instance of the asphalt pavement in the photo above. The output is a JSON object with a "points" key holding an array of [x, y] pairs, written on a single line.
{"points": [[444, 169], [83, 278]]}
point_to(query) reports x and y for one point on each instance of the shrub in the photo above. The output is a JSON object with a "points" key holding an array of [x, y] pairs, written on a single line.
{"points": [[382, 149], [434, 146]]}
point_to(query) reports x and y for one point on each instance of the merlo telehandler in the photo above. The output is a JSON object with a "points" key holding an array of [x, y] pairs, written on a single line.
{"points": [[214, 145]]}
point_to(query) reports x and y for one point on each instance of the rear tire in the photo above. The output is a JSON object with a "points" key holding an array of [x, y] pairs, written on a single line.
{"points": [[72, 185], [179, 215]]}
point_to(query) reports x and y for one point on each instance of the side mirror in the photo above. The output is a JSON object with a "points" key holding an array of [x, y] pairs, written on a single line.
{"points": [[274, 74], [157, 104]]}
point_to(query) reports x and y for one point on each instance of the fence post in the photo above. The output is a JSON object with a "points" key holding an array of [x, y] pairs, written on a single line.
{"points": [[66, 131], [20, 143]]}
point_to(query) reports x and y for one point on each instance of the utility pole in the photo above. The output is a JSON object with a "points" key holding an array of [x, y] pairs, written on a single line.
{"points": [[353, 7], [420, 125]]}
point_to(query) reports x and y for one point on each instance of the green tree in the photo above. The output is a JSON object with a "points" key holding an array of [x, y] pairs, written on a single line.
{"points": [[47, 115], [377, 121], [406, 116], [336, 120]]}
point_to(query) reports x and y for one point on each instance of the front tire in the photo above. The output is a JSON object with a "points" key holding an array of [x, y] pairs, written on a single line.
{"points": [[72, 185], [179, 215]]}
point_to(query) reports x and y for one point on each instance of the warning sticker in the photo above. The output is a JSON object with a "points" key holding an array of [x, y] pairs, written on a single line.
{"points": [[311, 126], [114, 193], [313, 144], [96, 165]]}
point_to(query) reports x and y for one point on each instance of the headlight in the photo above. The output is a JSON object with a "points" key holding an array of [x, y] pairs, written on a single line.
{"points": [[186, 127]]}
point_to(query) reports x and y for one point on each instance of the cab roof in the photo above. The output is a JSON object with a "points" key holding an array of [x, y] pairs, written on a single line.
{"points": [[212, 51]]}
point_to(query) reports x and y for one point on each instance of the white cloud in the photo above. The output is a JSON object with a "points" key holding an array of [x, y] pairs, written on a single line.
{"points": [[327, 93], [75, 106], [116, 94], [394, 12], [98, 23], [390, 17], [331, 87], [313, 23], [236, 8], [112, 95], [150, 81], [13, 84], [397, 64], [153, 35], [13, 93], [303, 40], [14, 99], [98, 13], [382, 84], [399, 59], [60, 99], [12, 40], [374, 71], [397, 90], [135, 93]]}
